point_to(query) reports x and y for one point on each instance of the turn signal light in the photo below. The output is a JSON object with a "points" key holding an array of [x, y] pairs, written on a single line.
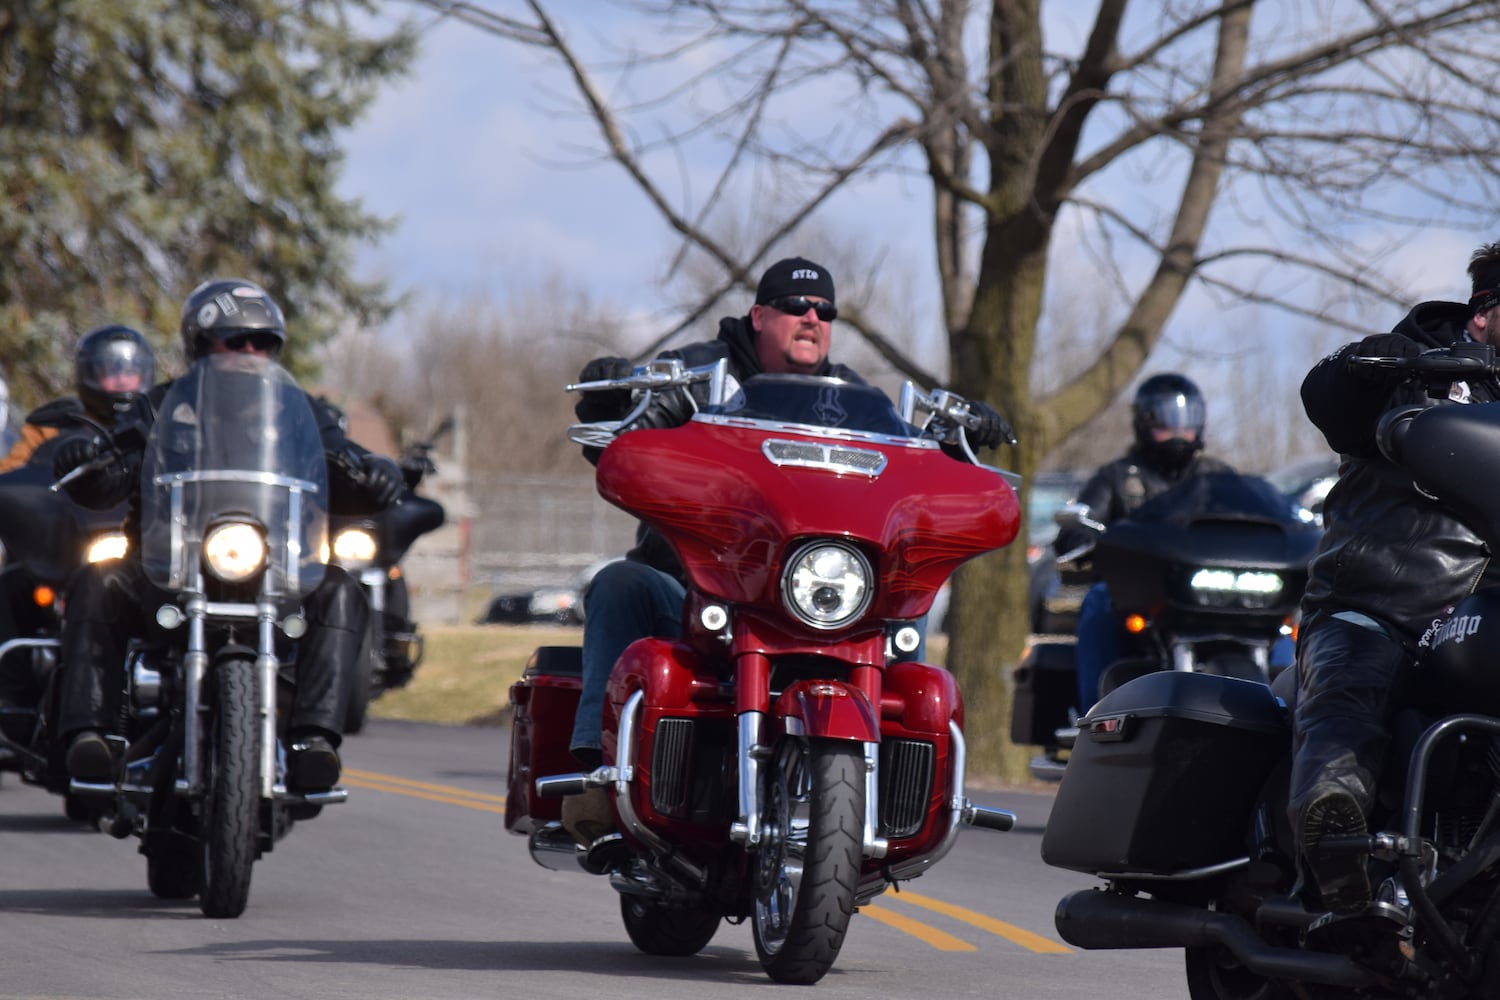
{"points": [[1135, 624], [43, 595]]}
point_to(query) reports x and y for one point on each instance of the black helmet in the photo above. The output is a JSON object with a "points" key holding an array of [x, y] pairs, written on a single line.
{"points": [[1168, 403], [112, 366], [222, 309]]}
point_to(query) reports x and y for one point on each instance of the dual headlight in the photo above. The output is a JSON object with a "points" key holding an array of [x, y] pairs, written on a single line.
{"points": [[827, 584], [1231, 588], [234, 551]]}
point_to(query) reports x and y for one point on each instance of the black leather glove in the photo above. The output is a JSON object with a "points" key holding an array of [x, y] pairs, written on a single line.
{"points": [[603, 404], [993, 430], [75, 451], [383, 479], [1383, 345], [668, 408]]}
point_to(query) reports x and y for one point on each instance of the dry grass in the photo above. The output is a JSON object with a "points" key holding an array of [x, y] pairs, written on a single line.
{"points": [[466, 673]]}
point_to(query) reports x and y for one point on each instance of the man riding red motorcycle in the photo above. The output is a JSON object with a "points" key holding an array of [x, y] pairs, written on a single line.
{"points": [[788, 738]]}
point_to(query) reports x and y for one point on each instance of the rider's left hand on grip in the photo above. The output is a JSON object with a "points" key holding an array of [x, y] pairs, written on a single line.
{"points": [[987, 428], [383, 480], [73, 453]]}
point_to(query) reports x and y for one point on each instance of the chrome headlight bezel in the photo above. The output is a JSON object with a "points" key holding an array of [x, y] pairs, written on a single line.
{"points": [[355, 547], [821, 569], [234, 551]]}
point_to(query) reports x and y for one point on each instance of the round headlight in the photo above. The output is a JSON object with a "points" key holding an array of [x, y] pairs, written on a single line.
{"points": [[354, 548], [107, 546], [827, 585], [234, 552]]}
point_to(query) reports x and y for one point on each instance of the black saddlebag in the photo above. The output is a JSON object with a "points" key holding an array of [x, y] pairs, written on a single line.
{"points": [[1165, 775], [1046, 686]]}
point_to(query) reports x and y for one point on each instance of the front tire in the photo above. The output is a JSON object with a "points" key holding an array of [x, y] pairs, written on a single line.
{"points": [[232, 792], [663, 930], [812, 829]]}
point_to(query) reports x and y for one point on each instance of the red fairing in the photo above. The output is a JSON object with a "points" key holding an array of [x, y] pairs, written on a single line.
{"points": [[678, 685], [829, 709], [730, 511], [920, 698], [917, 702]]}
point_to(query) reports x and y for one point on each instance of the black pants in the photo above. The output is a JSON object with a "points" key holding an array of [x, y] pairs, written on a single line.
{"points": [[1349, 679], [111, 603]]}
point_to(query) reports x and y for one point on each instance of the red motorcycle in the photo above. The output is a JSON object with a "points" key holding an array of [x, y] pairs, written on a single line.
{"points": [[788, 758]]}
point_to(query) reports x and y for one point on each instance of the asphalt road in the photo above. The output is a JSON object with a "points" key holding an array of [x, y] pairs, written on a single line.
{"points": [[414, 889]]}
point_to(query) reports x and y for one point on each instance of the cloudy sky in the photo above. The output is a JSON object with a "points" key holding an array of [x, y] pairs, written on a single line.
{"points": [[473, 155]]}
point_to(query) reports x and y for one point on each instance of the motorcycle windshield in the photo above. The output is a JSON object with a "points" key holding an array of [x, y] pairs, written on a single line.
{"points": [[235, 440], [814, 401], [1219, 496]]}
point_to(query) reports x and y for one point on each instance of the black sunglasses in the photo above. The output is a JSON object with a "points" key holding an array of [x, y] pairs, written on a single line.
{"points": [[798, 305], [259, 341]]}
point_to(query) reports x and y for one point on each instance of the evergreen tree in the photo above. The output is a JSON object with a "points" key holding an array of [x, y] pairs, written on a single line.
{"points": [[146, 146]]}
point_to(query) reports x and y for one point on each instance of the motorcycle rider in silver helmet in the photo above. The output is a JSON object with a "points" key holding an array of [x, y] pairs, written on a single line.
{"points": [[107, 602]]}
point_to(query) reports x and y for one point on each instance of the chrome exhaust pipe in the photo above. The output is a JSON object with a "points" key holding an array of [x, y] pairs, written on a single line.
{"points": [[1096, 919], [553, 848]]}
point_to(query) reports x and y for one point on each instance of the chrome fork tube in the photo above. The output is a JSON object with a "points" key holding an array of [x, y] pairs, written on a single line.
{"points": [[875, 846], [194, 668], [752, 750], [266, 666]]}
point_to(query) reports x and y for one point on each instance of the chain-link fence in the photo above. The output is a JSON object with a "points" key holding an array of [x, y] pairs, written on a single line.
{"points": [[532, 530]]}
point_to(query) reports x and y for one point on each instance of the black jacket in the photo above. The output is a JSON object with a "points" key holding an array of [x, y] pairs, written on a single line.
{"points": [[1121, 486], [736, 341], [1388, 550]]}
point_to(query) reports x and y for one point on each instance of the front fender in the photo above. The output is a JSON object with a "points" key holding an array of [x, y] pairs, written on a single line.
{"points": [[828, 709]]}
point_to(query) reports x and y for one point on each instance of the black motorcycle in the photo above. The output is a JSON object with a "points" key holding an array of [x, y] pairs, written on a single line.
{"points": [[370, 547], [1203, 578], [1176, 794], [233, 531], [47, 538]]}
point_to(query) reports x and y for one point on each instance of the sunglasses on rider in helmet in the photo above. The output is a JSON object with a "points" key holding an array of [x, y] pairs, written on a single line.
{"points": [[258, 340], [798, 305]]}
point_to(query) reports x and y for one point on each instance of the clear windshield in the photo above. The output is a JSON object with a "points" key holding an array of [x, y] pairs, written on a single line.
{"points": [[235, 437], [816, 402]]}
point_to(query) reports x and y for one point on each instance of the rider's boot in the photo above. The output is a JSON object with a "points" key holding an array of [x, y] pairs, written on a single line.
{"points": [[588, 816], [88, 758], [312, 762], [1341, 876]]}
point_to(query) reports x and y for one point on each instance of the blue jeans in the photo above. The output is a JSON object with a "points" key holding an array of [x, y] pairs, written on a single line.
{"points": [[626, 601], [1098, 644]]}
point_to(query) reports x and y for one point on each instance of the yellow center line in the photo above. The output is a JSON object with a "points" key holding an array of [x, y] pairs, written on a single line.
{"points": [[423, 790], [941, 940], [1024, 938]]}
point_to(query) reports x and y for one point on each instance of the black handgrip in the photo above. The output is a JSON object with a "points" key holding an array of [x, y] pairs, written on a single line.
{"points": [[990, 819], [1444, 364]]}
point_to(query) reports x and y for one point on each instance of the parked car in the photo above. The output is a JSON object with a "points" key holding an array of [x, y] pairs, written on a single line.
{"points": [[1307, 482], [560, 604]]}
